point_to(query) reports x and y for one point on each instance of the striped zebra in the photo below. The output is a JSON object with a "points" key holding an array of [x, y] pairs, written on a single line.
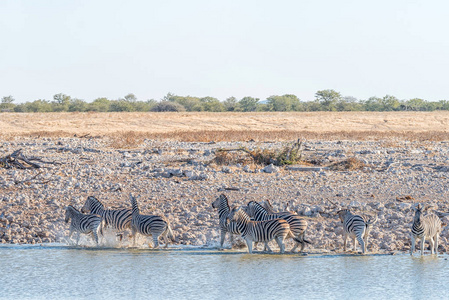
{"points": [[259, 231], [298, 225], [222, 204], [270, 209], [425, 227], [149, 225], [118, 219], [357, 227], [81, 223]]}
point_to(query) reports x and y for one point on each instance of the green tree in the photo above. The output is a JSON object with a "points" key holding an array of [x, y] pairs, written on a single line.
{"points": [[373, 104], [415, 104], [7, 103], [349, 103], [168, 106], [130, 97], [231, 104], [390, 103], [188, 102], [39, 106], [99, 104], [121, 105], [60, 102], [211, 104], [249, 103], [328, 99], [443, 105], [77, 105], [283, 103]]}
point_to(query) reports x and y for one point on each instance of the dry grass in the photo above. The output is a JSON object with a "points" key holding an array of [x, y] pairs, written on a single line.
{"points": [[131, 128], [350, 164], [126, 139]]}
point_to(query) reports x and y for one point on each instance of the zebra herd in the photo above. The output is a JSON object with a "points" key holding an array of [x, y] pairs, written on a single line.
{"points": [[255, 222], [97, 217]]}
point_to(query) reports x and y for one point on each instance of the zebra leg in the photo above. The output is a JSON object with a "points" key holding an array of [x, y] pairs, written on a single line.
{"points": [[95, 237], [436, 244], [294, 247], [280, 244], [222, 238], [267, 248], [355, 243], [303, 245], [134, 233], [362, 244], [345, 236], [412, 248], [78, 237], [423, 240], [249, 243], [165, 240], [432, 245], [70, 237], [366, 242], [156, 241]]}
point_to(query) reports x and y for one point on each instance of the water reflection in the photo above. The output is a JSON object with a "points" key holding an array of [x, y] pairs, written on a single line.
{"points": [[55, 271]]}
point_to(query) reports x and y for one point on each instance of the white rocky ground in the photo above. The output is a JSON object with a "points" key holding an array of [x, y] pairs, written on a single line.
{"points": [[174, 179]]}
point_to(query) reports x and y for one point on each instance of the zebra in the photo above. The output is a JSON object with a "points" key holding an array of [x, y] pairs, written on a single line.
{"points": [[119, 219], [269, 208], [222, 204], [423, 227], [357, 227], [298, 225], [259, 231], [149, 225], [81, 223]]}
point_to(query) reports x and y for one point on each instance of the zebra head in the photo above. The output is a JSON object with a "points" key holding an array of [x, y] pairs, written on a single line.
{"points": [[343, 213], [69, 213], [220, 201], [237, 214], [418, 212], [253, 208], [90, 201], [268, 206]]}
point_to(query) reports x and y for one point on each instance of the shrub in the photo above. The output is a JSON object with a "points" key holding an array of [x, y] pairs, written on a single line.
{"points": [[168, 106]]}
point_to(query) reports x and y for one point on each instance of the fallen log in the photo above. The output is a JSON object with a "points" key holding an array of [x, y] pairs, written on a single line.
{"points": [[19, 161]]}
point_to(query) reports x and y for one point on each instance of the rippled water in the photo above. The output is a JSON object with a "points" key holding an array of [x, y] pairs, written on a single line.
{"points": [[60, 272]]}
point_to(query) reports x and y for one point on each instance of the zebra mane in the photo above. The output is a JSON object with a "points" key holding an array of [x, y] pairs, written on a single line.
{"points": [[134, 203], [73, 208], [223, 196], [257, 204], [92, 198]]}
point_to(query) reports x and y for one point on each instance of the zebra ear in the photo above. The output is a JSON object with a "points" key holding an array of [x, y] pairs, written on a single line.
{"points": [[430, 207]]}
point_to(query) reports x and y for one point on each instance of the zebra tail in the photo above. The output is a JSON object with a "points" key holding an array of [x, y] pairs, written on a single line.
{"points": [[102, 225], [290, 235], [301, 241]]}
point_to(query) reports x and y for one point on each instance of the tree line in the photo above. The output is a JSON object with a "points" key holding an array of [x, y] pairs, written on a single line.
{"points": [[325, 100]]}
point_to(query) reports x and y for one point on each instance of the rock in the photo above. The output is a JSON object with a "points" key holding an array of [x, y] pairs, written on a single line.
{"points": [[307, 212], [226, 170], [270, 169]]}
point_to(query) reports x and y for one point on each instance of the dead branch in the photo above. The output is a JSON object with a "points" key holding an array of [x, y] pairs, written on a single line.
{"points": [[18, 160], [28, 179]]}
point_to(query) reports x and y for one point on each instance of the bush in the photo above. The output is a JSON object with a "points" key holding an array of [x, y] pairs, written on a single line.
{"points": [[168, 106]]}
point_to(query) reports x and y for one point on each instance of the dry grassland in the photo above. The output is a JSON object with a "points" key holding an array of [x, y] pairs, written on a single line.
{"points": [[130, 128]]}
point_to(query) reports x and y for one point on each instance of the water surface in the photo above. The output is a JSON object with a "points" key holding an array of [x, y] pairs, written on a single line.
{"points": [[60, 272]]}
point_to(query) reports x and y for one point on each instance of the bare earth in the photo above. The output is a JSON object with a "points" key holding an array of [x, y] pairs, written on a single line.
{"points": [[179, 180]]}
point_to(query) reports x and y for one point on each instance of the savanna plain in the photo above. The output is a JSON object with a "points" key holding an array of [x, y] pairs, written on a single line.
{"points": [[177, 164]]}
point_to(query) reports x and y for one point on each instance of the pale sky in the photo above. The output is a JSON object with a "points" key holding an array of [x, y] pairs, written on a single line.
{"points": [[95, 48]]}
